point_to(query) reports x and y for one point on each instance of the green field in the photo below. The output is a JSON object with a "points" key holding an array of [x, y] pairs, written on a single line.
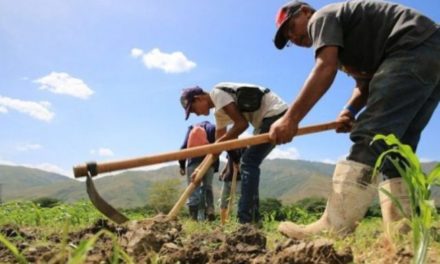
{"points": [[50, 234]]}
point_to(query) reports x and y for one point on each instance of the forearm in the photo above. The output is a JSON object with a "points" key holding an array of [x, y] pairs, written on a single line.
{"points": [[219, 133], [235, 131], [240, 124]]}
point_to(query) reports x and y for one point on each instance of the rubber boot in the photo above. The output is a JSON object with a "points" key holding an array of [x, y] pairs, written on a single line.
{"points": [[193, 211], [390, 211], [351, 195], [223, 215]]}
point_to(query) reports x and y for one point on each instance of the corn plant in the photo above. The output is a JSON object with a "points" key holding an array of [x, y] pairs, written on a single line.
{"points": [[419, 185], [31, 214]]}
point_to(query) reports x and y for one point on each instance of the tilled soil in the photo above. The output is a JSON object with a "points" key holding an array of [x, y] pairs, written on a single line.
{"points": [[159, 240]]}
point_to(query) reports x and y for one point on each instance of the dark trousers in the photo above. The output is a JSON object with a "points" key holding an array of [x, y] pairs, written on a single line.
{"points": [[252, 157], [403, 95]]}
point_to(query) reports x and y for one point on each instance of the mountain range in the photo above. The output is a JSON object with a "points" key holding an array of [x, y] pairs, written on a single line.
{"points": [[286, 180]]}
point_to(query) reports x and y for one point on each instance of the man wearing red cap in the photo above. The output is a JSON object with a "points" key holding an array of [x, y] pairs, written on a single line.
{"points": [[393, 54]]}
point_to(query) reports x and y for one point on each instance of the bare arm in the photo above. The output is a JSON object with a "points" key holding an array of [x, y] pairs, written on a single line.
{"points": [[318, 82], [219, 133]]}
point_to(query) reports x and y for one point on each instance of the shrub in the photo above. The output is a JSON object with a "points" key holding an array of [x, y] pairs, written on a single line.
{"points": [[272, 207], [47, 202], [163, 194]]}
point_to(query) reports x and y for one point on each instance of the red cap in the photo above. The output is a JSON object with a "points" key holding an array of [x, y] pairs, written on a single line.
{"points": [[283, 15]]}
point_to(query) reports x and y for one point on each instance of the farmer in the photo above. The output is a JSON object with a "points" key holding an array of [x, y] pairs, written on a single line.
{"points": [[393, 54], [231, 167], [201, 201], [224, 99]]}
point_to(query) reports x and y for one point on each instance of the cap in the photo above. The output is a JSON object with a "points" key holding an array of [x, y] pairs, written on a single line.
{"points": [[283, 15], [187, 98]]}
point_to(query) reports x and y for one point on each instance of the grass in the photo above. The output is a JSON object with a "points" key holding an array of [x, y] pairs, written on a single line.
{"points": [[369, 235]]}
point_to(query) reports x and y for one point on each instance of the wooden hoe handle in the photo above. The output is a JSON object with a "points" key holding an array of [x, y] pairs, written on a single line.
{"points": [[200, 173], [96, 168]]}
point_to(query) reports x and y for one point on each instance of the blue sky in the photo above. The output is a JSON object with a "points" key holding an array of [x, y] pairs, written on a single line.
{"points": [[100, 80]]}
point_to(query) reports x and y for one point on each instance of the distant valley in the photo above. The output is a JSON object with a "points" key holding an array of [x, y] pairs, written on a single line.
{"points": [[287, 180]]}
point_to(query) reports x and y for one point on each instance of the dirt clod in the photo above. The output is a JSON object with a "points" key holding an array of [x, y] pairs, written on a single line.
{"points": [[147, 237]]}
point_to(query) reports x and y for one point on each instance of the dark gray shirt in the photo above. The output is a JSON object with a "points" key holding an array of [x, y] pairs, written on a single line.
{"points": [[367, 31]]}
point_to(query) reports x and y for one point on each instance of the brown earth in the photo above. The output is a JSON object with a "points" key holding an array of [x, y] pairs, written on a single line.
{"points": [[159, 240]]}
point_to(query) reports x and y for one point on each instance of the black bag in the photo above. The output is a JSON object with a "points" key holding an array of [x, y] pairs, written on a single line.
{"points": [[248, 98]]}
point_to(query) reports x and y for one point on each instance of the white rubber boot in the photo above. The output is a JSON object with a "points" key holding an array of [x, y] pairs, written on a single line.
{"points": [[351, 195], [390, 211]]}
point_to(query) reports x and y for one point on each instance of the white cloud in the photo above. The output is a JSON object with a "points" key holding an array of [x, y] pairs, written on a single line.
{"points": [[334, 161], [426, 160], [156, 166], [175, 62], [28, 147], [103, 152], [38, 110], [136, 53], [289, 153], [328, 161], [42, 166], [51, 168], [7, 162], [63, 83]]}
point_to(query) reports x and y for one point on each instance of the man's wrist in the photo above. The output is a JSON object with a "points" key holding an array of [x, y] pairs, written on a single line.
{"points": [[353, 111]]}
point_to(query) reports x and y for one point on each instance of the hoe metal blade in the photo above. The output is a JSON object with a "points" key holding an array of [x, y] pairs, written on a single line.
{"points": [[102, 206]]}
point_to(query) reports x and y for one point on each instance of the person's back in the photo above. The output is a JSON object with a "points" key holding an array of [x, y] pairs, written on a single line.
{"points": [[201, 201], [198, 134], [366, 31], [271, 104]]}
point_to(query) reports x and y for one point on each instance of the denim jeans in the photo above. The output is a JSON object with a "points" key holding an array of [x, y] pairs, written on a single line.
{"points": [[403, 94], [203, 196], [252, 157]]}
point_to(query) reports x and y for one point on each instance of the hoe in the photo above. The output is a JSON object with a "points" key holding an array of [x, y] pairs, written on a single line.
{"points": [[92, 169]]}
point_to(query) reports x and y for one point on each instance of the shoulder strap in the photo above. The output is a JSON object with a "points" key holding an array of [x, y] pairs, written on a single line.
{"points": [[227, 89], [232, 91]]}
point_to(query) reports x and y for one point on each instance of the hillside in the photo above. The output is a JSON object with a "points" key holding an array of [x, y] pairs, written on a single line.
{"points": [[288, 180], [17, 181]]}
